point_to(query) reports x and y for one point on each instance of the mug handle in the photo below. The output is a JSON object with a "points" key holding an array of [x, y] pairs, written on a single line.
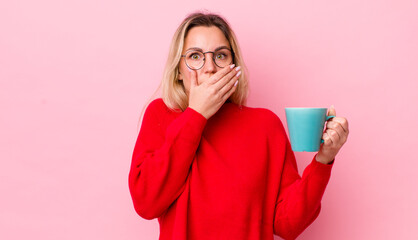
{"points": [[328, 118]]}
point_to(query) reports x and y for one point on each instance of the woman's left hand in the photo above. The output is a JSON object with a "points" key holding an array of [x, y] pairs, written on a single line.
{"points": [[335, 135]]}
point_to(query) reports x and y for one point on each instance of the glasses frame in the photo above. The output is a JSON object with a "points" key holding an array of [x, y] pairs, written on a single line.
{"points": [[204, 57]]}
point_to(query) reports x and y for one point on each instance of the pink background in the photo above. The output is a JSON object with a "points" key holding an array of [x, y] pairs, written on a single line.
{"points": [[74, 76]]}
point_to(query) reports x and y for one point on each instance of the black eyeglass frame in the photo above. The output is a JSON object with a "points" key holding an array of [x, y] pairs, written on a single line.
{"points": [[204, 58]]}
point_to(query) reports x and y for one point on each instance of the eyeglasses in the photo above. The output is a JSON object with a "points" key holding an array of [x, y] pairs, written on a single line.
{"points": [[195, 59]]}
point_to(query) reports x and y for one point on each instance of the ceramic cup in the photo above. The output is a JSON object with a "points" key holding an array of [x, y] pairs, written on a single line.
{"points": [[306, 126]]}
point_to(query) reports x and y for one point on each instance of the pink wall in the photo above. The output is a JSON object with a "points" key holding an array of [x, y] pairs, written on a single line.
{"points": [[74, 76]]}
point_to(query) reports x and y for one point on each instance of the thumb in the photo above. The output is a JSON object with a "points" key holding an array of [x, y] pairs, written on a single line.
{"points": [[193, 78], [331, 111]]}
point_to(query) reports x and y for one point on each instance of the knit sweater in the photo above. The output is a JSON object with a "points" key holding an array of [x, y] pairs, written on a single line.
{"points": [[232, 176]]}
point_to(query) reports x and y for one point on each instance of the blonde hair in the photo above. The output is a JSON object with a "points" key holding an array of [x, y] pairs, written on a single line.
{"points": [[173, 91]]}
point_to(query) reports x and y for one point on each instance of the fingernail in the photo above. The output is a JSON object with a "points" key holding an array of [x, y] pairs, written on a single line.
{"points": [[238, 68], [235, 83], [232, 66], [239, 73]]}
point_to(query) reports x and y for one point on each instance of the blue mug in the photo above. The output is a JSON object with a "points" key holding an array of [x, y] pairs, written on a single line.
{"points": [[306, 126]]}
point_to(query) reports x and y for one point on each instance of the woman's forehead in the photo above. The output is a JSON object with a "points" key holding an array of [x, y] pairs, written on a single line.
{"points": [[206, 38]]}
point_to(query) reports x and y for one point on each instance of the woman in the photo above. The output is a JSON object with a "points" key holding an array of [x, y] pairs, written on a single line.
{"points": [[209, 167]]}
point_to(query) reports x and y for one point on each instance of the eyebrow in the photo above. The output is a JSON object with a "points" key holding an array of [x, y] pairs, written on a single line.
{"points": [[216, 49]]}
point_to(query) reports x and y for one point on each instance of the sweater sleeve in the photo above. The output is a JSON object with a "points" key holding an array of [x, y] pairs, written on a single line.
{"points": [[162, 158], [299, 200]]}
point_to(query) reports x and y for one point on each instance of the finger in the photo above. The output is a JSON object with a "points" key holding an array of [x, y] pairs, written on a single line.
{"points": [[331, 111], [227, 78], [229, 84], [219, 74], [339, 129], [335, 126], [231, 91], [193, 79], [342, 121], [334, 136], [327, 139]]}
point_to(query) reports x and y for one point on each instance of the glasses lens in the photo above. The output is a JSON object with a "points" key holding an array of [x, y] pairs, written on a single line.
{"points": [[194, 59], [223, 57]]}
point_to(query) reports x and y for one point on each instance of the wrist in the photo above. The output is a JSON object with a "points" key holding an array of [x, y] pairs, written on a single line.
{"points": [[323, 159], [199, 111]]}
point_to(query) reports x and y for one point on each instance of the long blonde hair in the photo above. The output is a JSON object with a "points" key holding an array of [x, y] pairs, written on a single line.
{"points": [[173, 91]]}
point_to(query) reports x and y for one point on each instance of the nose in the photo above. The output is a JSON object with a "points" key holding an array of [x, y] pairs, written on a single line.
{"points": [[210, 66]]}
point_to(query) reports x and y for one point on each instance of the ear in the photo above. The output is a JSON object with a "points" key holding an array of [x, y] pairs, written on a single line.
{"points": [[179, 76]]}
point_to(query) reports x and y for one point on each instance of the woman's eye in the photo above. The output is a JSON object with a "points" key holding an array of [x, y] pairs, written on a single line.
{"points": [[220, 56], [195, 56]]}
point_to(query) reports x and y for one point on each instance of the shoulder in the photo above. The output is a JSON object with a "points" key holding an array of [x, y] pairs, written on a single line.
{"points": [[154, 109], [264, 114], [157, 104], [270, 121], [157, 110]]}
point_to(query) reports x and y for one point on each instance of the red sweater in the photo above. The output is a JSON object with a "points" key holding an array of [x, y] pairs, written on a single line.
{"points": [[233, 176]]}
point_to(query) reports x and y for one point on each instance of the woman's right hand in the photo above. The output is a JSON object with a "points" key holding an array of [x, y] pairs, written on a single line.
{"points": [[209, 96]]}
